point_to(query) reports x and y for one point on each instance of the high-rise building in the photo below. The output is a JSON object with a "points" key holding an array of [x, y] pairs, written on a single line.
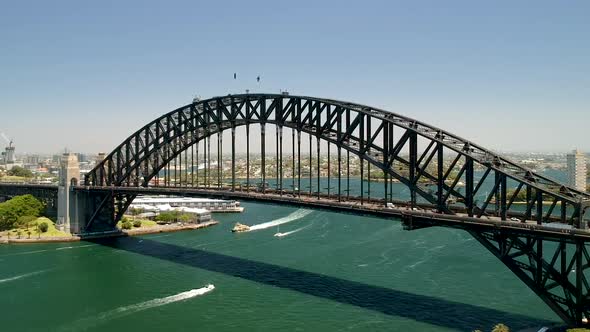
{"points": [[83, 158], [8, 155], [32, 159], [576, 170]]}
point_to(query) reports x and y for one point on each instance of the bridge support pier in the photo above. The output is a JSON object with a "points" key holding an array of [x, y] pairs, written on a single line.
{"points": [[82, 211], [97, 211], [69, 177]]}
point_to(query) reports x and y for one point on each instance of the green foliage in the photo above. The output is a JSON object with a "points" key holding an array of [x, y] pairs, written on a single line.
{"points": [[186, 217], [137, 223], [127, 225], [43, 227], [135, 211], [19, 171], [17, 207], [521, 196], [168, 216], [25, 221], [174, 216]]}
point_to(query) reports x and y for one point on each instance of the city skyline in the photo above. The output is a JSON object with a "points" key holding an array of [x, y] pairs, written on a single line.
{"points": [[85, 78]]}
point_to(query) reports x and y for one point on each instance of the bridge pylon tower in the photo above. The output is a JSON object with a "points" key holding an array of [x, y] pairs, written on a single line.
{"points": [[69, 177]]}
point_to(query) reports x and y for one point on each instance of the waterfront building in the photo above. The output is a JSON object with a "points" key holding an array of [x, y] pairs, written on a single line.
{"points": [[151, 211], [576, 170], [213, 205]]}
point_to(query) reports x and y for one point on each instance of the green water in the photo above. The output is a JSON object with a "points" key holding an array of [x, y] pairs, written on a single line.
{"points": [[337, 272]]}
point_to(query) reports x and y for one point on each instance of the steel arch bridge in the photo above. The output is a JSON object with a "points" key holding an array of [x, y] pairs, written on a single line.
{"points": [[451, 181]]}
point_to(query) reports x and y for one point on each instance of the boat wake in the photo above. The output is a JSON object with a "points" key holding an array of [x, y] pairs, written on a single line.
{"points": [[76, 247], [86, 323], [161, 301], [22, 276], [26, 252], [46, 250], [291, 232], [291, 217]]}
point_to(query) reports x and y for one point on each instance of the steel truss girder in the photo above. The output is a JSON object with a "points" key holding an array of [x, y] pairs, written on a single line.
{"points": [[109, 209], [555, 269]]}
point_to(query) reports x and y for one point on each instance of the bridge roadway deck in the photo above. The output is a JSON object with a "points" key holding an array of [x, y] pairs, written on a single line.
{"points": [[423, 216]]}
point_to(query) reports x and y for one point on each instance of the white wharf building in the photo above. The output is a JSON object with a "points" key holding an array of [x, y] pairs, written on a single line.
{"points": [[201, 208], [213, 205]]}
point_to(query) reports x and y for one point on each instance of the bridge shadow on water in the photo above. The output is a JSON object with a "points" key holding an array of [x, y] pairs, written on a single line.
{"points": [[422, 308]]}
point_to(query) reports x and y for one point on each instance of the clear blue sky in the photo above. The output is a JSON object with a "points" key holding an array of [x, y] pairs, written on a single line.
{"points": [[510, 75]]}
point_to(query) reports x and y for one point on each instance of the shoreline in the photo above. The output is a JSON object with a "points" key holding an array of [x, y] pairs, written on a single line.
{"points": [[120, 233]]}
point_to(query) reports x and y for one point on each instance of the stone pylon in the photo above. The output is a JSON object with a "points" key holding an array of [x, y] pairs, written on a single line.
{"points": [[69, 176]]}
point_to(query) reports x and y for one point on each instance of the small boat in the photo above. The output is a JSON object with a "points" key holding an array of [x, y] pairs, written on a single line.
{"points": [[279, 234], [238, 228]]}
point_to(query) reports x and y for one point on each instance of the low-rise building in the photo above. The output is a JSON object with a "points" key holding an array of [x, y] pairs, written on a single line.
{"points": [[213, 205], [151, 211]]}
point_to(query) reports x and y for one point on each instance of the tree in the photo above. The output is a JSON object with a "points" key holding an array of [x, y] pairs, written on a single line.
{"points": [[19, 171], [135, 212], [186, 217], [43, 226], [168, 216], [521, 196], [25, 221], [137, 223], [13, 209], [126, 225]]}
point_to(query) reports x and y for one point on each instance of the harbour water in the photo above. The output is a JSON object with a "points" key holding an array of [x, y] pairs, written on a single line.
{"points": [[330, 272]]}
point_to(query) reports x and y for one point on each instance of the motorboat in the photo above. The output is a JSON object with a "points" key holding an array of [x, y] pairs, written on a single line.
{"points": [[278, 233], [238, 228]]}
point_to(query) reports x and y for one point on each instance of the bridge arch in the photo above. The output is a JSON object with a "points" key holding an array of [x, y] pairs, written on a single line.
{"points": [[347, 126]]}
